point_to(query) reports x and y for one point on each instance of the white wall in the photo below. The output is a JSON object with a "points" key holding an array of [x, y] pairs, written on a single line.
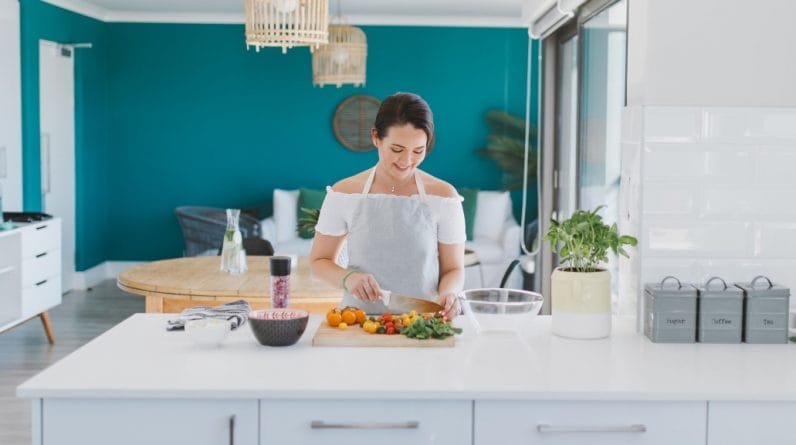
{"points": [[712, 52], [10, 107]]}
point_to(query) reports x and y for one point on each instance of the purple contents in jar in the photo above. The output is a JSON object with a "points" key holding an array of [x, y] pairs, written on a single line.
{"points": [[280, 291]]}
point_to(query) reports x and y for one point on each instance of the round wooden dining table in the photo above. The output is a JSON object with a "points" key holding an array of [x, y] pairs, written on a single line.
{"points": [[175, 284]]}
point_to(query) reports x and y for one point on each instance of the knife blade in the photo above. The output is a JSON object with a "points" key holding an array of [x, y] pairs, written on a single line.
{"points": [[405, 303]]}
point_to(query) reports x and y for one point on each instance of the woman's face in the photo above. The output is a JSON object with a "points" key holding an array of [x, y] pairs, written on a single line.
{"points": [[401, 151]]}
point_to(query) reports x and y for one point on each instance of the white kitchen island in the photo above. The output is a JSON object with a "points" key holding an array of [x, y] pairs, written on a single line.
{"points": [[139, 384]]}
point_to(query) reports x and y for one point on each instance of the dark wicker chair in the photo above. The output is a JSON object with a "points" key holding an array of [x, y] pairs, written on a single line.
{"points": [[203, 228]]}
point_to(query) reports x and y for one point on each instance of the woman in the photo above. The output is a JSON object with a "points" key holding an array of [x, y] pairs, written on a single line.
{"points": [[405, 228]]}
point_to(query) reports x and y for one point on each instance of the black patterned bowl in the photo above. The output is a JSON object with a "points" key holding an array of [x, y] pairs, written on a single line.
{"points": [[278, 327]]}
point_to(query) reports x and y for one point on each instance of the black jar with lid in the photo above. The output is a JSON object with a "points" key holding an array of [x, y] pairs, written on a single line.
{"points": [[280, 281]]}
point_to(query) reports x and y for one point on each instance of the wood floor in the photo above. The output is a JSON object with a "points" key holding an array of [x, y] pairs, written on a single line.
{"points": [[24, 350]]}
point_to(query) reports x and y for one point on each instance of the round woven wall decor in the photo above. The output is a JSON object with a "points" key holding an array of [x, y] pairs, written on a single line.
{"points": [[353, 120]]}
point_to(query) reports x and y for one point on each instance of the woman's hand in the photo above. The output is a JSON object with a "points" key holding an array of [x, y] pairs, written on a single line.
{"points": [[363, 286], [451, 304]]}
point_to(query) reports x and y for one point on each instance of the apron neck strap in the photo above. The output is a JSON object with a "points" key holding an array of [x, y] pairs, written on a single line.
{"points": [[421, 188], [369, 182]]}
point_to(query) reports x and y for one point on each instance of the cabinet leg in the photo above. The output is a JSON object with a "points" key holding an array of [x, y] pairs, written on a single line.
{"points": [[48, 327], [154, 304]]}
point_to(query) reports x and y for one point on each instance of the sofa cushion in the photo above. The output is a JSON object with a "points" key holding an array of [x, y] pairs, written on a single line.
{"points": [[493, 210], [469, 205], [309, 199], [488, 251], [285, 204], [295, 246]]}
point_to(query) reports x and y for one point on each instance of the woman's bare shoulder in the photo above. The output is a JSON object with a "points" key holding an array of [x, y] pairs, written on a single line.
{"points": [[352, 184], [438, 187]]}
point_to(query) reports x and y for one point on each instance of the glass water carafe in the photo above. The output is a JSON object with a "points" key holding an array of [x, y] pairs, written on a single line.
{"points": [[233, 258]]}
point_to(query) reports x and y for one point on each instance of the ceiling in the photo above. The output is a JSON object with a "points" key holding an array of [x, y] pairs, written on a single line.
{"points": [[497, 13]]}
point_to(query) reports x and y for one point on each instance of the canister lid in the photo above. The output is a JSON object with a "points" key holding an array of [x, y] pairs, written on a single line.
{"points": [[717, 287], [670, 287], [280, 266], [762, 286]]}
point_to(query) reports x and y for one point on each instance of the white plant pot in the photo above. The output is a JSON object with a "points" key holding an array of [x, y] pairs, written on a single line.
{"points": [[581, 304]]}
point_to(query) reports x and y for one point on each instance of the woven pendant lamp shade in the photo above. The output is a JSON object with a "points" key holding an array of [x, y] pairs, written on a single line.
{"points": [[287, 23], [342, 61]]}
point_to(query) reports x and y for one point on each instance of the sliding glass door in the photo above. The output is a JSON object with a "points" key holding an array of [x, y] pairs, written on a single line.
{"points": [[585, 90]]}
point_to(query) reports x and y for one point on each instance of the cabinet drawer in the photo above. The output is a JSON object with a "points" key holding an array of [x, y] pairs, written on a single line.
{"points": [[41, 237], [365, 422], [742, 423], [150, 422], [40, 267], [41, 297], [569, 423]]}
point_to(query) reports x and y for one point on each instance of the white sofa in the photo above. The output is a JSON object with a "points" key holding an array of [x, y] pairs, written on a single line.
{"points": [[496, 235]]}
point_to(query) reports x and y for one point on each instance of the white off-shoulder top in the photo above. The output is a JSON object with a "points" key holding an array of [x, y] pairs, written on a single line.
{"points": [[338, 210]]}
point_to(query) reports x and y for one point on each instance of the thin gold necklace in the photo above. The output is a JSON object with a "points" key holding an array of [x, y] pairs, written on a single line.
{"points": [[396, 185]]}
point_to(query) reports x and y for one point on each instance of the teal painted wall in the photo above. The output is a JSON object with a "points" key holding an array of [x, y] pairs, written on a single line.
{"points": [[43, 21], [196, 119], [171, 115]]}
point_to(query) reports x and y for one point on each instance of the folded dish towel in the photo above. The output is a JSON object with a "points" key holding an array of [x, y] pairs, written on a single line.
{"points": [[235, 312]]}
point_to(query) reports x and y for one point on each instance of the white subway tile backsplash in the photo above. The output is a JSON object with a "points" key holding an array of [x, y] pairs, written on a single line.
{"points": [[696, 239], [775, 166], [673, 161], [775, 240], [668, 199], [712, 192], [729, 165], [745, 202], [749, 125], [725, 124], [684, 269], [671, 124]]}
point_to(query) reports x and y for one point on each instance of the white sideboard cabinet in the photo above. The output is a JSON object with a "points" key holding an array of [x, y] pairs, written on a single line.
{"points": [[30, 273]]}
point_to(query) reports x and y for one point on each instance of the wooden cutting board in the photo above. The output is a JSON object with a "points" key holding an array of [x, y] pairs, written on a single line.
{"points": [[355, 336]]}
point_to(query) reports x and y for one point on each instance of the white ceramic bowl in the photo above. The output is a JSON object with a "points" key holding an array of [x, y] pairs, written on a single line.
{"points": [[500, 310], [208, 331]]}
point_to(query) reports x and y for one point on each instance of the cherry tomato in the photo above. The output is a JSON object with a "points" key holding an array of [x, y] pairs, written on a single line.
{"points": [[390, 330], [386, 316]]}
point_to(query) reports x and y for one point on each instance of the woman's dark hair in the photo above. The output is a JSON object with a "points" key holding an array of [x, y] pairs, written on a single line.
{"points": [[405, 108]]}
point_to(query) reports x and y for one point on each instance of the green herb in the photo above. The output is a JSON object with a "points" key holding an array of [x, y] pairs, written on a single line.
{"points": [[230, 234], [582, 241], [793, 339], [434, 327]]}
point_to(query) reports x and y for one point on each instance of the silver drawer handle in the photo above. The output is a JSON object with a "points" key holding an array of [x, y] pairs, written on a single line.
{"points": [[41, 227], [232, 430], [41, 282], [550, 429], [321, 425], [41, 255]]}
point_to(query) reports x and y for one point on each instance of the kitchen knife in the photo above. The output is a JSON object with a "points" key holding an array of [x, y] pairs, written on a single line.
{"points": [[404, 303]]}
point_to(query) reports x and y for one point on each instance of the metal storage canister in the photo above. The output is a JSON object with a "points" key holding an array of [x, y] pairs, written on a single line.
{"points": [[720, 313], [765, 311], [670, 312]]}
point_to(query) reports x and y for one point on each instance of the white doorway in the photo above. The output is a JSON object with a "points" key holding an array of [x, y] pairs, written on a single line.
{"points": [[57, 130]]}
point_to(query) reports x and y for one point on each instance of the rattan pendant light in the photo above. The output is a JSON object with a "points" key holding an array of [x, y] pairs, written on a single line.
{"points": [[287, 23], [343, 60]]}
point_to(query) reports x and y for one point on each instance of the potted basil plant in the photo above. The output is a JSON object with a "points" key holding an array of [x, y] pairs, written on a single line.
{"points": [[581, 287]]}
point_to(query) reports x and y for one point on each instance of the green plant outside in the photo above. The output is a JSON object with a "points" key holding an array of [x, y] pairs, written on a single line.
{"points": [[506, 147], [582, 242]]}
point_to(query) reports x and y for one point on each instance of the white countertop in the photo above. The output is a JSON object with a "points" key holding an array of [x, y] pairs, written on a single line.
{"points": [[139, 358]]}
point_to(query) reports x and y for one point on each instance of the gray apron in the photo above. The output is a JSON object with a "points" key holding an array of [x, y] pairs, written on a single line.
{"points": [[395, 239]]}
